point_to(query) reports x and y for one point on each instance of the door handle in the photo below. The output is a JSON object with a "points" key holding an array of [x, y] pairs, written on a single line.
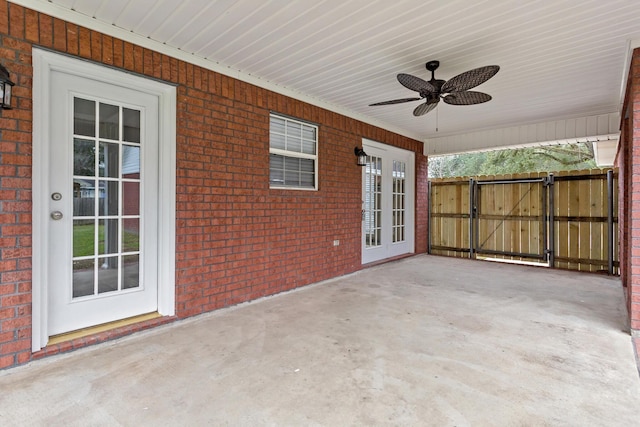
{"points": [[56, 215]]}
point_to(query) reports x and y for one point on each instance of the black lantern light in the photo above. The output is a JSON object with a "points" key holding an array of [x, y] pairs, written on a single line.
{"points": [[361, 155], [5, 88]]}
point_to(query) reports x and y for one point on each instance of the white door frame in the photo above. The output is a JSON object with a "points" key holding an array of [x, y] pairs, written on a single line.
{"points": [[44, 62], [409, 244]]}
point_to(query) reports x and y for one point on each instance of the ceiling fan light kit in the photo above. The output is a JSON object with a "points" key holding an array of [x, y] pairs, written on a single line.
{"points": [[455, 91]]}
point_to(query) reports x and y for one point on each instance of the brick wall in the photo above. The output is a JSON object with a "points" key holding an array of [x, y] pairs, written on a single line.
{"points": [[236, 239], [628, 160]]}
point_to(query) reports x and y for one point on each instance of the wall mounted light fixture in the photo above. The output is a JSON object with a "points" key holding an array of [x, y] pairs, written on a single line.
{"points": [[5, 88], [361, 155]]}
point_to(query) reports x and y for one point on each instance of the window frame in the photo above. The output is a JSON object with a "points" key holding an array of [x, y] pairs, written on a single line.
{"points": [[294, 154]]}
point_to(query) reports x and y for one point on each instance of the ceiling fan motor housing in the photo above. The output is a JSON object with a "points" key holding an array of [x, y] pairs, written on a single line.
{"points": [[432, 65]]}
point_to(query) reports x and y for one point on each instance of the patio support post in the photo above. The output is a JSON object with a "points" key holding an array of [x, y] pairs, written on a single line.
{"points": [[552, 222], [429, 217], [610, 220], [545, 219], [471, 215]]}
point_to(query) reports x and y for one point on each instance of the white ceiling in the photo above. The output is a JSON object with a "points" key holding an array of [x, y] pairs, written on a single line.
{"points": [[558, 59]]}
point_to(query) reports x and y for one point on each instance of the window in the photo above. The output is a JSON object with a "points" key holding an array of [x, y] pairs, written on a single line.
{"points": [[293, 157]]}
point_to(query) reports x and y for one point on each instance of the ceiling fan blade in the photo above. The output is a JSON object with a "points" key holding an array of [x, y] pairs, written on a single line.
{"points": [[395, 101], [466, 98], [470, 79], [415, 83], [423, 109]]}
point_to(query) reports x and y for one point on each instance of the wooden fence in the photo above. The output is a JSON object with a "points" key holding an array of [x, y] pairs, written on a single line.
{"points": [[565, 220]]}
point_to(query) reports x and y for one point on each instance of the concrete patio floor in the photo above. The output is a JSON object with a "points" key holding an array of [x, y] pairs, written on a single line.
{"points": [[427, 341]]}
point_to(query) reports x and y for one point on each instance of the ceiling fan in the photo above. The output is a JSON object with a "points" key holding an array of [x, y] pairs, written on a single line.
{"points": [[455, 91]]}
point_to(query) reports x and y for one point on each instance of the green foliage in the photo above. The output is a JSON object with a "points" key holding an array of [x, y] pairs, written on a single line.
{"points": [[552, 158]]}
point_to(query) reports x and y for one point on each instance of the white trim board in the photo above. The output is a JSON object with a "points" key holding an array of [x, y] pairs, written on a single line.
{"points": [[604, 127]]}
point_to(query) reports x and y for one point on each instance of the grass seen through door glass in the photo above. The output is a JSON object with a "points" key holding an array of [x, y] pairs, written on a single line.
{"points": [[83, 239]]}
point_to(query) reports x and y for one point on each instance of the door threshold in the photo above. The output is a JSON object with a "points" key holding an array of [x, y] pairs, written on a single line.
{"points": [[81, 333]]}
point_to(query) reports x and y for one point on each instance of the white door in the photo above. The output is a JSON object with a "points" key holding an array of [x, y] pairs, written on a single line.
{"points": [[388, 202], [102, 198]]}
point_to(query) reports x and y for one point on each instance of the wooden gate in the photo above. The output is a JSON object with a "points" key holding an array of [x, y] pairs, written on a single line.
{"points": [[564, 220]]}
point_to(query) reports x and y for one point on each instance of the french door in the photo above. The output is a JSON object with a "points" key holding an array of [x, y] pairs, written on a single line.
{"points": [[388, 202]]}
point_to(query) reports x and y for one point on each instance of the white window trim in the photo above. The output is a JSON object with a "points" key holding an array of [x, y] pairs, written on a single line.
{"points": [[44, 62], [287, 153]]}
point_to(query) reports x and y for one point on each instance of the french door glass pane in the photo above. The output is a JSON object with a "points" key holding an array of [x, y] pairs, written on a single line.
{"points": [[108, 274], [130, 198], [109, 121], [84, 157], [131, 271], [108, 236], [131, 125], [109, 198], [83, 277], [373, 202], [398, 197], [109, 162], [131, 161], [130, 235], [84, 117], [83, 238], [84, 197]]}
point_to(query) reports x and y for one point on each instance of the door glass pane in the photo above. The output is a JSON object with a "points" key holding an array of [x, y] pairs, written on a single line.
{"points": [[130, 235], [83, 237], [131, 198], [83, 277], [109, 121], [373, 202], [84, 202], [131, 271], [108, 236], [130, 162], [109, 162], [131, 125], [84, 117], [84, 157], [109, 198], [108, 274], [398, 198]]}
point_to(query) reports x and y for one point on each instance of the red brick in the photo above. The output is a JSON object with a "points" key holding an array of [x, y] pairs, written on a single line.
{"points": [[6, 361], [23, 357], [107, 50], [59, 35], [84, 40], [4, 14], [73, 39], [16, 21], [46, 30], [15, 346]]}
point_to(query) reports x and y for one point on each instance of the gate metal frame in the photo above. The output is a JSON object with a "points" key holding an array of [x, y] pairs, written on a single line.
{"points": [[547, 219], [474, 219]]}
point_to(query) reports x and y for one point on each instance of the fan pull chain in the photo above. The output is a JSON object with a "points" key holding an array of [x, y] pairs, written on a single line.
{"points": [[437, 109]]}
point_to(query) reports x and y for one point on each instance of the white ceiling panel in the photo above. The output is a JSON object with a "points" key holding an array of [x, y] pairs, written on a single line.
{"points": [[559, 59]]}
